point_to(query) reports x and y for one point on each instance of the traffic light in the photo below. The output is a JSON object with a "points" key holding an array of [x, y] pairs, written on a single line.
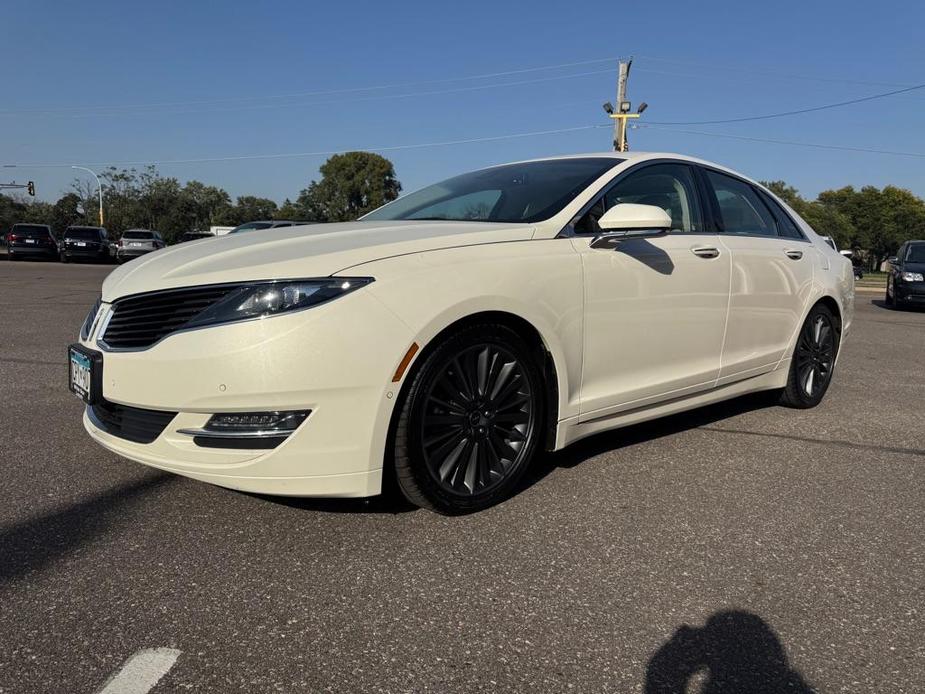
{"points": [[30, 188]]}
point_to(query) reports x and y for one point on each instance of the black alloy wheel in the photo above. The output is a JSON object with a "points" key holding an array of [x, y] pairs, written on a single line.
{"points": [[813, 359], [470, 424]]}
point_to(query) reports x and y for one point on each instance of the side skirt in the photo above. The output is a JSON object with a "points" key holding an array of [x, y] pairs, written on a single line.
{"points": [[570, 430]]}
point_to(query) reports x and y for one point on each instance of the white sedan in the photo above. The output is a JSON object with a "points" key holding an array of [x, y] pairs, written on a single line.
{"points": [[446, 339]]}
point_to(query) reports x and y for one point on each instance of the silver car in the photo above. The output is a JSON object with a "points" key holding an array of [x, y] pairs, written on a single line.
{"points": [[136, 242]]}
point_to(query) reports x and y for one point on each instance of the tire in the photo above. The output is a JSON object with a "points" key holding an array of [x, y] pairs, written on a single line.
{"points": [[888, 299], [813, 359], [64, 258], [471, 421]]}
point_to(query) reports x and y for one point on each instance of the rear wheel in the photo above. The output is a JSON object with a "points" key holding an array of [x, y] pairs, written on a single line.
{"points": [[813, 360], [471, 421]]}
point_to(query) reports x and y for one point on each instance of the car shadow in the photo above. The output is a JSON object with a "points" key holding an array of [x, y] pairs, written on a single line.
{"points": [[390, 502], [882, 304], [735, 652], [616, 439], [29, 546]]}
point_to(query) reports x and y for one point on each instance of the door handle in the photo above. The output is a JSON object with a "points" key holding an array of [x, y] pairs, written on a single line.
{"points": [[794, 255], [705, 251]]}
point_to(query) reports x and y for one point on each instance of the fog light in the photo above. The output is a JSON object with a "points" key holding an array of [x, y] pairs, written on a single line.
{"points": [[282, 422]]}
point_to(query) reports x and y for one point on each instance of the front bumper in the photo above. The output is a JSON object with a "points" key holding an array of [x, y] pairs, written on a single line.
{"points": [[336, 360], [913, 292]]}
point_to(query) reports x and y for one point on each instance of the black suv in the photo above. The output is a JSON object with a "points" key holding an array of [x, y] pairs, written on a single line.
{"points": [[85, 243], [31, 241], [905, 285]]}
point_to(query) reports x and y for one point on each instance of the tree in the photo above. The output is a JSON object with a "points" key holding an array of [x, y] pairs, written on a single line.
{"points": [[351, 185], [67, 211], [290, 210], [249, 208], [824, 220]]}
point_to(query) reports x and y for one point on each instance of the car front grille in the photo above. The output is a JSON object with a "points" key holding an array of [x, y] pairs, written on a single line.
{"points": [[140, 321], [130, 423]]}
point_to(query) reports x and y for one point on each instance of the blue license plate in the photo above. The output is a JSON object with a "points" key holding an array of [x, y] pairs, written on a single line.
{"points": [[84, 373]]}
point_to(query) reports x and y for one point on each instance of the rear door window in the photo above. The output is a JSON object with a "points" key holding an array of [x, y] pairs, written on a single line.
{"points": [[786, 227], [741, 209]]}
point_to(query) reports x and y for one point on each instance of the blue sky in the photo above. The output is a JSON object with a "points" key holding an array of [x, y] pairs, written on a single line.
{"points": [[128, 81]]}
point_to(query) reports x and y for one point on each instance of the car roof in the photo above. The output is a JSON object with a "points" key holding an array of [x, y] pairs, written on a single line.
{"points": [[629, 156], [624, 157]]}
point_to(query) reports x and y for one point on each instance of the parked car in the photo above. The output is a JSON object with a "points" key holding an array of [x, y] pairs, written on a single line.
{"points": [[136, 242], [266, 224], [85, 243], [447, 338], [195, 236], [905, 283], [31, 241]]}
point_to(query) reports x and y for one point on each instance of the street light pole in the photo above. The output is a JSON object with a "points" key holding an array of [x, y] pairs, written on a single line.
{"points": [[99, 185]]}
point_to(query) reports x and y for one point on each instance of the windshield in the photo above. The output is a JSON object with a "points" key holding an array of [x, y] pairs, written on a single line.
{"points": [[251, 226], [30, 230], [82, 234], [916, 253], [514, 193], [138, 235]]}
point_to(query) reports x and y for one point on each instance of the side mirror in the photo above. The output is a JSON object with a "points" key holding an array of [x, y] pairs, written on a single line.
{"points": [[629, 220], [892, 260], [847, 254]]}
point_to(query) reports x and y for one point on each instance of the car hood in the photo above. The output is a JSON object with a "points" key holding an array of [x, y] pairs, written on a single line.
{"points": [[316, 250], [913, 267]]}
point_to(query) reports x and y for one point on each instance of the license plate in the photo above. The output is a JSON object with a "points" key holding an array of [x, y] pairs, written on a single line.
{"points": [[134, 244], [30, 240], [81, 243], [85, 373]]}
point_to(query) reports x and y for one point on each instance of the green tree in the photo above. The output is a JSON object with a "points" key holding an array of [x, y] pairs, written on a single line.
{"points": [[290, 210], [66, 211], [351, 185], [249, 208]]}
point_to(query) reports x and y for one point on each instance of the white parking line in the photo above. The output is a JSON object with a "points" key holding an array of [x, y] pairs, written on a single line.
{"points": [[141, 672]]}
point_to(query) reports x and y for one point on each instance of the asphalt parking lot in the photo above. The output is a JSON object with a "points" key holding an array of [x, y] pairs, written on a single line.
{"points": [[745, 543]]}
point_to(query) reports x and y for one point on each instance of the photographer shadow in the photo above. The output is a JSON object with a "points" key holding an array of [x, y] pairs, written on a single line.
{"points": [[735, 652]]}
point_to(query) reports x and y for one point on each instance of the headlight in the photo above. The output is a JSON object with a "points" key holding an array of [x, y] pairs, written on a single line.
{"points": [[87, 326], [912, 277], [259, 300]]}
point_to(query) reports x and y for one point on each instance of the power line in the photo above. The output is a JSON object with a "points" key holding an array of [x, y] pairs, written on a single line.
{"points": [[795, 112], [328, 92], [292, 155], [791, 143], [454, 90], [765, 72]]}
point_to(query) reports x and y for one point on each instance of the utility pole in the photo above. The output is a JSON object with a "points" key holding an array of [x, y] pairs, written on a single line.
{"points": [[619, 124], [621, 113]]}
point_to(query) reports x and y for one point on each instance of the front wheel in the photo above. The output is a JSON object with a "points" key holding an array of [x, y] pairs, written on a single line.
{"points": [[471, 421], [813, 360]]}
